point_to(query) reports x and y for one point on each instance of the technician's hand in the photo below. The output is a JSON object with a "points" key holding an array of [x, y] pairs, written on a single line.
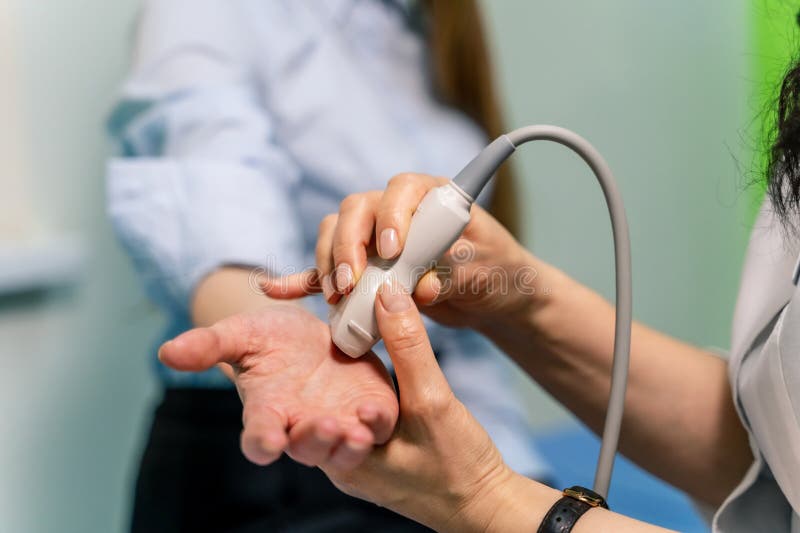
{"points": [[300, 393], [485, 276], [440, 466]]}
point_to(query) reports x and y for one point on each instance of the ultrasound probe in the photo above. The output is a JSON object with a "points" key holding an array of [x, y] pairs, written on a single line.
{"points": [[439, 221]]}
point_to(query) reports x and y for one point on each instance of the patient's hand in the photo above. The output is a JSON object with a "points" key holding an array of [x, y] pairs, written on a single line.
{"points": [[300, 393]]}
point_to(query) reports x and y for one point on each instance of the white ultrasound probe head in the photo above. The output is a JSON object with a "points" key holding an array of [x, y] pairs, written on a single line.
{"points": [[437, 223], [435, 226]]}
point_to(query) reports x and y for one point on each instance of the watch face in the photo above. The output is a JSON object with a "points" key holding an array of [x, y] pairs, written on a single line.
{"points": [[586, 495]]}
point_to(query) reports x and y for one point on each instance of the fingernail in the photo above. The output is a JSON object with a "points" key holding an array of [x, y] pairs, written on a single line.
{"points": [[344, 277], [436, 285], [161, 351], [327, 288], [388, 244], [393, 298], [313, 279]]}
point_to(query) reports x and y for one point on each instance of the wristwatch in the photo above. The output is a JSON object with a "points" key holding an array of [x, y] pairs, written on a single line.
{"points": [[565, 512]]}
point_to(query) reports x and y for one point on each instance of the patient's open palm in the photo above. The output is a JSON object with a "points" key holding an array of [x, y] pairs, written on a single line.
{"points": [[300, 393]]}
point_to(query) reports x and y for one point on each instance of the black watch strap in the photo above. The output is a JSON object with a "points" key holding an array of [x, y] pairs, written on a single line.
{"points": [[565, 512]]}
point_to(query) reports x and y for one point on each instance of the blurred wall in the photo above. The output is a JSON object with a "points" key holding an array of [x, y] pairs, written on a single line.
{"points": [[659, 88], [662, 90], [74, 371]]}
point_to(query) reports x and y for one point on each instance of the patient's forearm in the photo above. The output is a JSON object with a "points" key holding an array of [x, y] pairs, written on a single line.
{"points": [[679, 423], [225, 292]]}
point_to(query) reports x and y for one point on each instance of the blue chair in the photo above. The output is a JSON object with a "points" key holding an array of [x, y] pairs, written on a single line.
{"points": [[573, 449]]}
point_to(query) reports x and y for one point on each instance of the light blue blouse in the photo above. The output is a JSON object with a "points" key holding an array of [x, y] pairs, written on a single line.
{"points": [[242, 123]]}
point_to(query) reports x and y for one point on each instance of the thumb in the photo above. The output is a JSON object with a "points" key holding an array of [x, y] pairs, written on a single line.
{"points": [[292, 286], [419, 377], [199, 349]]}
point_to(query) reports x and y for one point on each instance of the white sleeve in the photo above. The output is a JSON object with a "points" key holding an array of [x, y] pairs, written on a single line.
{"points": [[201, 181]]}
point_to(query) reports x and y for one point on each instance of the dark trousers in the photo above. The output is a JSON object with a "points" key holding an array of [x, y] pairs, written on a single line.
{"points": [[193, 477]]}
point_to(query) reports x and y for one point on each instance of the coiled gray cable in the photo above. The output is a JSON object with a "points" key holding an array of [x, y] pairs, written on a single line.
{"points": [[472, 180]]}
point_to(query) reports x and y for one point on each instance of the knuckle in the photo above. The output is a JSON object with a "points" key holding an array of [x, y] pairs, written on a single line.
{"points": [[327, 223], [341, 250], [323, 257], [432, 404], [392, 216], [407, 336], [398, 179], [438, 405], [404, 178], [352, 203]]}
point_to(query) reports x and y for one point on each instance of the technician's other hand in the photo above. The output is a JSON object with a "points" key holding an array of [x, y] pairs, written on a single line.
{"points": [[440, 463], [300, 393], [486, 276]]}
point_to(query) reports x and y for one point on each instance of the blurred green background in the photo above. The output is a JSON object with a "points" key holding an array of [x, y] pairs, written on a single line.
{"points": [[671, 93]]}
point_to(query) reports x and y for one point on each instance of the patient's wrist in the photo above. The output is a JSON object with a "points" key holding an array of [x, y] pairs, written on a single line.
{"points": [[228, 291]]}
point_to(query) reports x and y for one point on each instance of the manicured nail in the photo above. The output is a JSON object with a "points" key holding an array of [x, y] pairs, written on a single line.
{"points": [[388, 244], [344, 277], [327, 288], [436, 285], [313, 279], [393, 298]]}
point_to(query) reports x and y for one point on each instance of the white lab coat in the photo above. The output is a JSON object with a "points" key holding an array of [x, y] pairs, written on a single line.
{"points": [[765, 376]]}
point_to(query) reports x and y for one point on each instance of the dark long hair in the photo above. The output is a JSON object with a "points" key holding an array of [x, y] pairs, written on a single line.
{"points": [[783, 162]]}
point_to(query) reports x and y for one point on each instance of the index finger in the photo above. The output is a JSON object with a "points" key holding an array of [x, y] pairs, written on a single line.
{"points": [[395, 209], [351, 238]]}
